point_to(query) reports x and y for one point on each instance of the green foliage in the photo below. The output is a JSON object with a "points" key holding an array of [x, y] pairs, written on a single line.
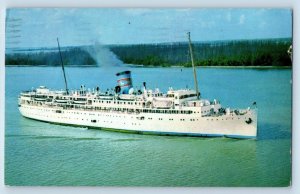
{"points": [[73, 56], [149, 60], [270, 52]]}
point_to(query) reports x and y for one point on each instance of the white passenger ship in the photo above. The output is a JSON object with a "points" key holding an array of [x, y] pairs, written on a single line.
{"points": [[177, 112]]}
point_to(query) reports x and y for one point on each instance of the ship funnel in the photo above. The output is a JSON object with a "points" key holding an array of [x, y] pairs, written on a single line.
{"points": [[124, 81]]}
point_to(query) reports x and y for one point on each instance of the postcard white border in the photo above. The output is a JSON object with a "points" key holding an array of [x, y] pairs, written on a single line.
{"points": [[294, 4]]}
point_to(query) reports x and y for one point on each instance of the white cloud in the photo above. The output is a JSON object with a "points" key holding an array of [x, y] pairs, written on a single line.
{"points": [[242, 19]]}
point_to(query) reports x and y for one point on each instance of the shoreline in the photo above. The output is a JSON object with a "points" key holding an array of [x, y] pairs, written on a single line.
{"points": [[249, 67], [223, 67], [174, 66], [50, 66]]}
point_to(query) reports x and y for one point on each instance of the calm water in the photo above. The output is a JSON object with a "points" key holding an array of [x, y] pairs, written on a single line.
{"points": [[38, 153]]}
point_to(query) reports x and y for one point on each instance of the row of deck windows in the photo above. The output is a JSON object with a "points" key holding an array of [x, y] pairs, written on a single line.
{"points": [[149, 118], [66, 106], [138, 110], [141, 110], [118, 102]]}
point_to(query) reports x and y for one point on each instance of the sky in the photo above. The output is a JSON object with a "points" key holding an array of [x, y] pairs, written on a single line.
{"points": [[39, 27]]}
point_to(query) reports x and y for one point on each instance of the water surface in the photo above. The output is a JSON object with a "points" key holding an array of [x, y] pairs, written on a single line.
{"points": [[38, 153]]}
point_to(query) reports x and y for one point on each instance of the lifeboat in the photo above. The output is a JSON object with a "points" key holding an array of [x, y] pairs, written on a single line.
{"points": [[161, 103], [127, 97]]}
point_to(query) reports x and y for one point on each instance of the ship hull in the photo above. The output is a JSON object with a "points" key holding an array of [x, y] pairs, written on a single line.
{"points": [[233, 126]]}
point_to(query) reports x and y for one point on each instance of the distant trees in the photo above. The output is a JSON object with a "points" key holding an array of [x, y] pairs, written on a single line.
{"points": [[72, 56], [269, 52], [147, 60]]}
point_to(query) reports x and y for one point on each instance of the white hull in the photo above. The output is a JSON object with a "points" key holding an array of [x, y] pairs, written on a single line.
{"points": [[229, 125]]}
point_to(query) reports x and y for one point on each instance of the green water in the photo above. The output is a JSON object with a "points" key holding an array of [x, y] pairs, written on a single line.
{"points": [[38, 153]]}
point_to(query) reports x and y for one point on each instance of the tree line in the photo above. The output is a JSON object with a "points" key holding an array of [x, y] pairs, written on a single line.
{"points": [[72, 56], [268, 52]]}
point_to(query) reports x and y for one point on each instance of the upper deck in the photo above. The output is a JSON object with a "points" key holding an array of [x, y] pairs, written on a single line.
{"points": [[182, 101]]}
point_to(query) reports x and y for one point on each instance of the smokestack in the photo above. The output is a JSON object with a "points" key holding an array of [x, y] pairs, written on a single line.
{"points": [[124, 81]]}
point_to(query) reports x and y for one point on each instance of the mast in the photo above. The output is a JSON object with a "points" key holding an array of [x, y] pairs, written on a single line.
{"points": [[63, 68], [194, 70]]}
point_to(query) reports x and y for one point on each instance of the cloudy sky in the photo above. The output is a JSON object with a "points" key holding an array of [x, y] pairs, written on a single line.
{"points": [[34, 27]]}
